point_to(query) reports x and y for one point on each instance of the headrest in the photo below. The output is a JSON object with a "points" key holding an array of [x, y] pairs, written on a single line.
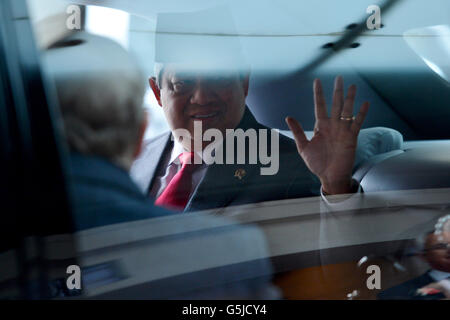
{"points": [[371, 141]]}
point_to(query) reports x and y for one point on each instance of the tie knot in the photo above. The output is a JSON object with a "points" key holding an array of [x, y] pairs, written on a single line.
{"points": [[186, 158]]}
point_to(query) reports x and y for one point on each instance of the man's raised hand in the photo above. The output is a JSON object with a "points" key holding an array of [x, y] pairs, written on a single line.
{"points": [[330, 154]]}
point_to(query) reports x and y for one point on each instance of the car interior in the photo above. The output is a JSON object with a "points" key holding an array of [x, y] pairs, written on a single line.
{"points": [[402, 159]]}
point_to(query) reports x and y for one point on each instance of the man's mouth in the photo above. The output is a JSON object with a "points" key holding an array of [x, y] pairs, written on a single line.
{"points": [[205, 115]]}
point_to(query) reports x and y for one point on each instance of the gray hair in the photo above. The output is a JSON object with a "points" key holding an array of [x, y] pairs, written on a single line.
{"points": [[103, 114]]}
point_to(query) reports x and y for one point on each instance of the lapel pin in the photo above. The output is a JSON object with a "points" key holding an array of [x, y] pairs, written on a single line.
{"points": [[239, 173]]}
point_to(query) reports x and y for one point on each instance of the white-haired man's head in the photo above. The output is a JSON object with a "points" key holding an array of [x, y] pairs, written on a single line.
{"points": [[101, 100]]}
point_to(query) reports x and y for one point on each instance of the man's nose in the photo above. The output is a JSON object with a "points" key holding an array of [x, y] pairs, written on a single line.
{"points": [[202, 94]]}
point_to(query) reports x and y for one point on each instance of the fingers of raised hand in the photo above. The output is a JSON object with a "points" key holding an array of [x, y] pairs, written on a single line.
{"points": [[359, 120], [320, 108], [338, 98], [347, 110], [341, 108], [299, 135]]}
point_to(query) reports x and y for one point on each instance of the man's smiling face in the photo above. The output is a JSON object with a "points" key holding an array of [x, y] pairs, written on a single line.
{"points": [[218, 101]]}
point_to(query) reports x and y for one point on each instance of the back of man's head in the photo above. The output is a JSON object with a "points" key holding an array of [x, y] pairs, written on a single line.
{"points": [[100, 91]]}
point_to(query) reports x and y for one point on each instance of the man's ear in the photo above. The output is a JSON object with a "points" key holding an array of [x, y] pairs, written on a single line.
{"points": [[142, 129], [155, 89]]}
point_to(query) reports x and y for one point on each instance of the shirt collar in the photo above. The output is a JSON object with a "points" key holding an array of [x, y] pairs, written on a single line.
{"points": [[179, 149], [176, 151], [439, 275]]}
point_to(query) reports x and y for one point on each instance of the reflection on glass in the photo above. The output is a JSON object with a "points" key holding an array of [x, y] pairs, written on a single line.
{"points": [[432, 44]]}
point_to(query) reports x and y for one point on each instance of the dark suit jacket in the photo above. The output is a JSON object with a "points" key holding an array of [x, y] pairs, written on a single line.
{"points": [[408, 289], [102, 194], [220, 187]]}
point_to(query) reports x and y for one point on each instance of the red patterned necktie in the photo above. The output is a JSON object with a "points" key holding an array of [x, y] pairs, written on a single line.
{"points": [[176, 194]]}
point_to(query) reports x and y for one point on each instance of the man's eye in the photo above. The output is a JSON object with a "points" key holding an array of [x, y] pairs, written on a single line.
{"points": [[181, 86], [178, 85], [221, 81]]}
